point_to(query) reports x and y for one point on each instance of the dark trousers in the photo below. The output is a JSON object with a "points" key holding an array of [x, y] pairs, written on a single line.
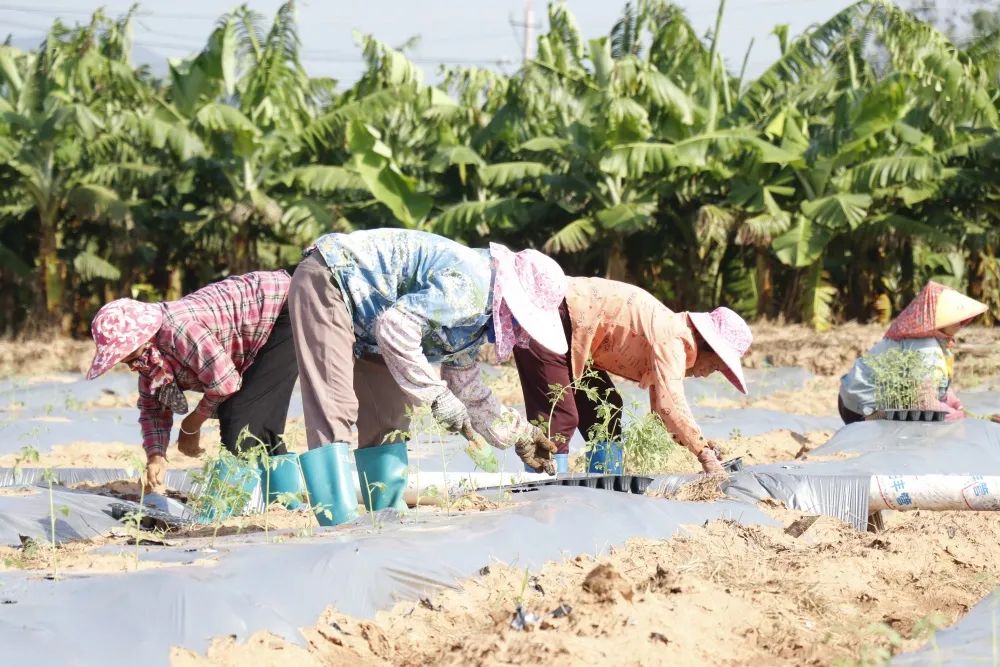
{"points": [[538, 368], [849, 416], [261, 404]]}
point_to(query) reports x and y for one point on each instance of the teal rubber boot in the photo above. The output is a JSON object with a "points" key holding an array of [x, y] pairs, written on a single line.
{"points": [[606, 458], [281, 480], [383, 473], [327, 474], [228, 490]]}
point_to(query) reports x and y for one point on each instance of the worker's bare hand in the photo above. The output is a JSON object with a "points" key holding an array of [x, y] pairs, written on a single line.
{"points": [[156, 472], [189, 440]]}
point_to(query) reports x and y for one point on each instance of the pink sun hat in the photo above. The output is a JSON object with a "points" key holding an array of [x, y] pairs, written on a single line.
{"points": [[729, 337], [532, 286], [119, 328]]}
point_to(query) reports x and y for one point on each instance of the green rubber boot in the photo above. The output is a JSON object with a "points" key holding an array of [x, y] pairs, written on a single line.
{"points": [[383, 473], [327, 474], [281, 480]]}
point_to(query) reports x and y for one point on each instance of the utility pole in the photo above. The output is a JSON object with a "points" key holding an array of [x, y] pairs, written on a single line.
{"points": [[529, 22], [528, 36]]}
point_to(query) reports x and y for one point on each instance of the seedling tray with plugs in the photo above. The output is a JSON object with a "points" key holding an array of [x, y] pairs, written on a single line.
{"points": [[623, 483], [152, 519], [914, 415]]}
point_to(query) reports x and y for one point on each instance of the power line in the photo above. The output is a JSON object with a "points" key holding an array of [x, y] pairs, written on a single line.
{"points": [[27, 26], [333, 57], [83, 12], [45, 10]]}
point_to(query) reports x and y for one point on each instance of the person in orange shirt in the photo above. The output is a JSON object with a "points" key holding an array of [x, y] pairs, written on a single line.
{"points": [[619, 328]]}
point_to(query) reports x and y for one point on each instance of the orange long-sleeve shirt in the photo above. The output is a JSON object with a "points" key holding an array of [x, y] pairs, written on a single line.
{"points": [[623, 329]]}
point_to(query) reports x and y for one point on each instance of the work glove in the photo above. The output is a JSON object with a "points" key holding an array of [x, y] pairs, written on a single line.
{"points": [[537, 451], [451, 412], [156, 473], [710, 462]]}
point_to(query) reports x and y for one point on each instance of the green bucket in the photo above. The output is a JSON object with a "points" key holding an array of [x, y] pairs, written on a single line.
{"points": [[280, 478], [382, 474], [327, 474], [229, 489]]}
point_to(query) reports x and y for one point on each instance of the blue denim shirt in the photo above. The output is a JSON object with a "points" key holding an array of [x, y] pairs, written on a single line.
{"points": [[433, 279], [857, 387]]}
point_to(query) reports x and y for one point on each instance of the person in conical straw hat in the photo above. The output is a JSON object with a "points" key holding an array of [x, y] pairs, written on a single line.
{"points": [[374, 309], [614, 327], [927, 325]]}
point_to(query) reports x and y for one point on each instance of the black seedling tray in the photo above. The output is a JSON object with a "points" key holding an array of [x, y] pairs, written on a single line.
{"points": [[152, 519], [623, 483], [733, 465], [914, 415]]}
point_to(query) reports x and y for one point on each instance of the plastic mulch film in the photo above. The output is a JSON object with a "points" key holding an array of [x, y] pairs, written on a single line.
{"points": [[78, 515], [871, 460], [104, 620], [844, 498]]}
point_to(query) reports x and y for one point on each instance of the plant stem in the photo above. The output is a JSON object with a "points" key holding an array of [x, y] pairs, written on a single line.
{"points": [[52, 525]]}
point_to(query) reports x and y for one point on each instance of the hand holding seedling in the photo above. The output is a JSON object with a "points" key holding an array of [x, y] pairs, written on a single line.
{"points": [[156, 472], [451, 412], [536, 451], [189, 439]]}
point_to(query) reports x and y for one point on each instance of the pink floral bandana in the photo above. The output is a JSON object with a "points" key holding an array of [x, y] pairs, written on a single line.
{"points": [[119, 329], [161, 379]]}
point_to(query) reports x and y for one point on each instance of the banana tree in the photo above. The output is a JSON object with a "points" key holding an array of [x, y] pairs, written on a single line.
{"points": [[54, 102], [874, 141], [234, 118]]}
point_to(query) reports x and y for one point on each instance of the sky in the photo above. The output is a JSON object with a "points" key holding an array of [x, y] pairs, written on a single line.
{"points": [[453, 32]]}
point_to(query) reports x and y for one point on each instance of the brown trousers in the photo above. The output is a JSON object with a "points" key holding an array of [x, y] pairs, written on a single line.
{"points": [[337, 389], [538, 368]]}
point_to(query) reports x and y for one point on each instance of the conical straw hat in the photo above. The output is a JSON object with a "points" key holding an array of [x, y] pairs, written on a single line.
{"points": [[954, 308]]}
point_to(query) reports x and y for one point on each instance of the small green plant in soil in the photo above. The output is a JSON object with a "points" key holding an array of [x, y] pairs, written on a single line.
{"points": [[369, 488], [219, 497], [425, 430], [134, 518], [258, 457], [904, 379], [26, 554], [889, 641], [645, 441], [29, 454]]}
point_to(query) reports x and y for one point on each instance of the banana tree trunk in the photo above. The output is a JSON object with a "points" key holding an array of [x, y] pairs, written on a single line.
{"points": [[617, 267], [240, 256], [765, 283], [175, 284], [51, 273], [976, 274]]}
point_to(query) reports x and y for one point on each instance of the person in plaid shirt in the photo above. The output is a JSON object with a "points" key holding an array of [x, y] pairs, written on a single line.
{"points": [[231, 341]]}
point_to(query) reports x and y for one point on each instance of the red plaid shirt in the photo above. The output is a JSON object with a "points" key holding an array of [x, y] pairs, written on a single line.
{"points": [[211, 338]]}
